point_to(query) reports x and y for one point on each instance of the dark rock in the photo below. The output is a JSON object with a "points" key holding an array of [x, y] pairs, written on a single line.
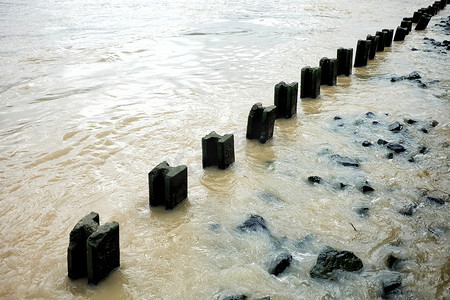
{"points": [[253, 224], [434, 123], [337, 118], [408, 210], [367, 144], [370, 114], [366, 188], [411, 160], [381, 142], [375, 123], [395, 127], [103, 253], [76, 252], [363, 212], [331, 260], [235, 297], [397, 78], [424, 130], [345, 161], [391, 261], [423, 150], [391, 284], [410, 121], [413, 75], [341, 185], [390, 156], [434, 200], [397, 148], [280, 264], [414, 49], [314, 179]]}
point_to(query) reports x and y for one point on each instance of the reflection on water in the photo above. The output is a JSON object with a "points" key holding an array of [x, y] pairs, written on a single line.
{"points": [[94, 95]]}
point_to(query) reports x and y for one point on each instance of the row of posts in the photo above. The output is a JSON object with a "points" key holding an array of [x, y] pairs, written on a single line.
{"points": [[93, 250]]}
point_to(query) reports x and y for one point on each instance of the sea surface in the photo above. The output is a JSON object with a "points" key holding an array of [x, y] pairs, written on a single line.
{"points": [[95, 94]]}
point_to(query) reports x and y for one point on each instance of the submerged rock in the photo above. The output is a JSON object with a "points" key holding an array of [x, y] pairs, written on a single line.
{"points": [[280, 263], [362, 211], [392, 262], [331, 260], [435, 200], [253, 224], [397, 148], [235, 297], [382, 142], [345, 161], [366, 188], [408, 210], [391, 284], [367, 144], [314, 179], [395, 127]]}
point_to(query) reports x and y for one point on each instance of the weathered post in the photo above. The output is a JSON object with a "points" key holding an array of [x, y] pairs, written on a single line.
{"points": [[423, 22], [389, 36], [381, 41], [218, 150], [76, 252], [374, 39], [310, 82], [261, 121], [103, 253], [406, 24], [400, 34], [285, 99], [167, 185], [329, 71], [416, 16], [345, 60], [362, 53]]}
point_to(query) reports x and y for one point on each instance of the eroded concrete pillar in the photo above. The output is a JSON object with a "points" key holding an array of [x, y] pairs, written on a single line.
{"points": [[218, 150]]}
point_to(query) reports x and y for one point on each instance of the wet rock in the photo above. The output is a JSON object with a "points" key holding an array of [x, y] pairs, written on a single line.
{"points": [[395, 127], [391, 285], [254, 224], [408, 210], [424, 130], [438, 230], [362, 211], [382, 142], [414, 49], [423, 150], [331, 260], [337, 118], [345, 161], [280, 264], [390, 156], [435, 200], [414, 75], [375, 123], [410, 121], [397, 148], [268, 197], [370, 114], [411, 160], [314, 179], [434, 123], [392, 262], [367, 144], [235, 297], [366, 188]]}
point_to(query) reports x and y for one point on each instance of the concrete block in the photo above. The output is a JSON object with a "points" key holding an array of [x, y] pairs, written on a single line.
{"points": [[218, 150], [285, 99], [310, 82]]}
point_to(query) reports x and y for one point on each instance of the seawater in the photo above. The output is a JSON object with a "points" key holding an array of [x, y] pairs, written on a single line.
{"points": [[94, 94]]}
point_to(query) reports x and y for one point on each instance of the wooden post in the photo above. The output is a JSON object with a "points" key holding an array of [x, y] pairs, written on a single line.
{"points": [[167, 185], [382, 40], [389, 37], [345, 60], [261, 122], [423, 22], [285, 99], [76, 252], [218, 150], [400, 34], [103, 253], [374, 39], [406, 24], [310, 82], [362, 53], [329, 71]]}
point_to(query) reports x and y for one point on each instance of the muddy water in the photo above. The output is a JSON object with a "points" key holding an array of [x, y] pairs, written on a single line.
{"points": [[94, 95]]}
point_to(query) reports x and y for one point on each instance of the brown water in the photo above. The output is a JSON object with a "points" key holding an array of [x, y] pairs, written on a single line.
{"points": [[93, 95]]}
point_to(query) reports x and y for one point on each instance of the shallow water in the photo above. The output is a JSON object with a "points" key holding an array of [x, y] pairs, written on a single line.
{"points": [[94, 95]]}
